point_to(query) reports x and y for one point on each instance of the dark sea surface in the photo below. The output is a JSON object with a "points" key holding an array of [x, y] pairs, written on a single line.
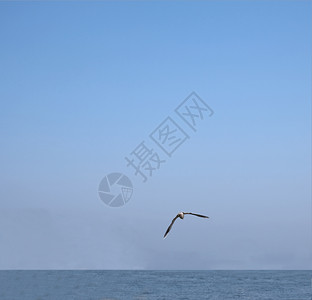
{"points": [[100, 285]]}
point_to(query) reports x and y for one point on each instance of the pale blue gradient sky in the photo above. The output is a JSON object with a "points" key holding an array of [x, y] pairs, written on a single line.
{"points": [[83, 83]]}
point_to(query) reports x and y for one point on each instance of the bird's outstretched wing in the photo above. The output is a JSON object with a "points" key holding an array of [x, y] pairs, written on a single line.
{"points": [[197, 215], [169, 228]]}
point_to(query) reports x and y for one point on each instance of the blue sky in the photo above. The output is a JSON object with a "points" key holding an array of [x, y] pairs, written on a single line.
{"points": [[83, 83]]}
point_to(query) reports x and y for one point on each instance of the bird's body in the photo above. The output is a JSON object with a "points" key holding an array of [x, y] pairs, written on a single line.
{"points": [[181, 216]]}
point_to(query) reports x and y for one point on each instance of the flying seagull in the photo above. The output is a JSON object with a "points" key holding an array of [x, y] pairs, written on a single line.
{"points": [[181, 216]]}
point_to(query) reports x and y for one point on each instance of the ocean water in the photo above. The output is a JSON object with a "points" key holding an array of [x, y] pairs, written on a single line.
{"points": [[104, 285]]}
